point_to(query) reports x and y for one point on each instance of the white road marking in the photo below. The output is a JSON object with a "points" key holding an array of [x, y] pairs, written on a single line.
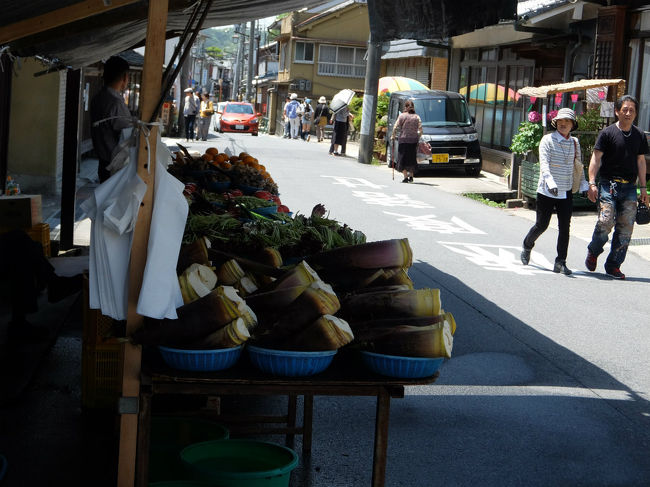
{"points": [[500, 257], [383, 199], [429, 223], [354, 182]]}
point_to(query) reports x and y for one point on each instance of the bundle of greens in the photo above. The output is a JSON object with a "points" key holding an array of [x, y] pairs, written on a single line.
{"points": [[292, 237]]}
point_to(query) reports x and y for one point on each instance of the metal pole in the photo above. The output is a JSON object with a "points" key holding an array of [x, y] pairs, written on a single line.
{"points": [[6, 72], [369, 110], [70, 156], [249, 78], [185, 70]]}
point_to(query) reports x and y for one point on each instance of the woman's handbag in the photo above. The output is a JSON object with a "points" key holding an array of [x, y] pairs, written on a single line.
{"points": [[423, 150], [642, 213], [578, 169]]}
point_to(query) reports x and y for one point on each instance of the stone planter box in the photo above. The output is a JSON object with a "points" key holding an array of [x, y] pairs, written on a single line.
{"points": [[530, 177]]}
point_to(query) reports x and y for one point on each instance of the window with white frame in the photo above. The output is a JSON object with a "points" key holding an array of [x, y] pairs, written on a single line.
{"points": [[342, 61], [304, 52]]}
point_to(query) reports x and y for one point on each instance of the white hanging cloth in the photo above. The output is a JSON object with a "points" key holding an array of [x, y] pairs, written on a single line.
{"points": [[113, 209], [160, 294]]}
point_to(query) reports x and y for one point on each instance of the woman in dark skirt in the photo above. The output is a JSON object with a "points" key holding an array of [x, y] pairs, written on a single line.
{"points": [[407, 130], [340, 119]]}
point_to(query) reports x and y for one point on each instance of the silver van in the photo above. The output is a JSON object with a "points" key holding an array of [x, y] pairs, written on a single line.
{"points": [[447, 126]]}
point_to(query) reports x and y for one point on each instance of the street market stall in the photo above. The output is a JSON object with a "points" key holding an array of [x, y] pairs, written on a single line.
{"points": [[72, 34], [292, 290]]}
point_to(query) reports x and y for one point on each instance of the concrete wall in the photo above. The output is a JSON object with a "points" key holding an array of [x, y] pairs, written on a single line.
{"points": [[349, 26], [36, 127]]}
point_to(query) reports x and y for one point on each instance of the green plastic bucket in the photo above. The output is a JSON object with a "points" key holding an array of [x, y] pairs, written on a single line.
{"points": [[169, 435], [240, 463], [180, 483]]}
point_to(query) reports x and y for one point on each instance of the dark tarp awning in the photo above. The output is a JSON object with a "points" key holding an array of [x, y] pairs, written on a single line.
{"points": [[90, 39], [427, 19], [122, 25]]}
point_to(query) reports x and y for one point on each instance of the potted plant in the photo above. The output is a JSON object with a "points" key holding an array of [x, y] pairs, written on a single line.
{"points": [[525, 143]]}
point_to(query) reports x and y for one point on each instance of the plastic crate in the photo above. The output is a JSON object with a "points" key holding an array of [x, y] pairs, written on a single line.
{"points": [[97, 328], [41, 233], [101, 374]]}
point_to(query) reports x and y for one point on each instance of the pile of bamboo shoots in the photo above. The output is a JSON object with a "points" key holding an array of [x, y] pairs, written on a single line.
{"points": [[367, 300]]}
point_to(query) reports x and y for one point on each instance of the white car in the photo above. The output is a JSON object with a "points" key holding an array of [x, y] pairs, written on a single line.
{"points": [[218, 110]]}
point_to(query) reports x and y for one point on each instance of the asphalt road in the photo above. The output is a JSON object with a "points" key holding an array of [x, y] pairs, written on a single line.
{"points": [[548, 383]]}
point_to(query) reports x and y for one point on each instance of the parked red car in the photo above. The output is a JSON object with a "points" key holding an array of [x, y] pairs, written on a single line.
{"points": [[239, 117]]}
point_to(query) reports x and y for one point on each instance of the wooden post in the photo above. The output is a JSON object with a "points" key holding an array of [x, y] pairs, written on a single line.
{"points": [[150, 92]]}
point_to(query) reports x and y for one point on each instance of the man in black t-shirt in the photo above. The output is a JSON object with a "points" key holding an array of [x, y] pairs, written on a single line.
{"points": [[619, 154], [109, 108]]}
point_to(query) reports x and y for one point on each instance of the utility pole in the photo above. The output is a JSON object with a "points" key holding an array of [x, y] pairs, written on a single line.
{"points": [[249, 78], [369, 109], [239, 62], [185, 70]]}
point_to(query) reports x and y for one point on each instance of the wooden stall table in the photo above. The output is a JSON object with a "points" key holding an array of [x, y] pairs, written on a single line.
{"points": [[345, 377]]}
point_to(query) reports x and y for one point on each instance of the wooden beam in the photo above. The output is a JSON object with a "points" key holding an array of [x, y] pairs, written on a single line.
{"points": [[57, 18], [151, 82]]}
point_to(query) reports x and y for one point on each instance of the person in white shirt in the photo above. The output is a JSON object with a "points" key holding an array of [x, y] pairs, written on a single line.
{"points": [[190, 109], [292, 110], [557, 150]]}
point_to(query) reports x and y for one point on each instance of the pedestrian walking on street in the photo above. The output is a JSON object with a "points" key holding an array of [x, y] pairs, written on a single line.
{"points": [[205, 115], [557, 152], [190, 109], [341, 121], [293, 108], [321, 116], [285, 119], [619, 155], [307, 116], [407, 131]]}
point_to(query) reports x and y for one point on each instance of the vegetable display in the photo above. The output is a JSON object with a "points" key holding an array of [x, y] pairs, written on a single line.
{"points": [[289, 282]]}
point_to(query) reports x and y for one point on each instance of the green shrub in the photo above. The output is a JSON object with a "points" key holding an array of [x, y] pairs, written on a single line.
{"points": [[356, 106], [527, 138]]}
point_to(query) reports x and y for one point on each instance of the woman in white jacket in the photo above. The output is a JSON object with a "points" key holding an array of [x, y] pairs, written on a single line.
{"points": [[557, 151]]}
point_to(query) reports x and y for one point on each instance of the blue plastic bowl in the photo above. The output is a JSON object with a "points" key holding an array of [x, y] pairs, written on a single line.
{"points": [[401, 367], [217, 186], [289, 363], [266, 210], [200, 360], [249, 190]]}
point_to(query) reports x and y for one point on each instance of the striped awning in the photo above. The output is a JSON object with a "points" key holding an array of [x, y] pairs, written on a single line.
{"points": [[580, 85]]}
